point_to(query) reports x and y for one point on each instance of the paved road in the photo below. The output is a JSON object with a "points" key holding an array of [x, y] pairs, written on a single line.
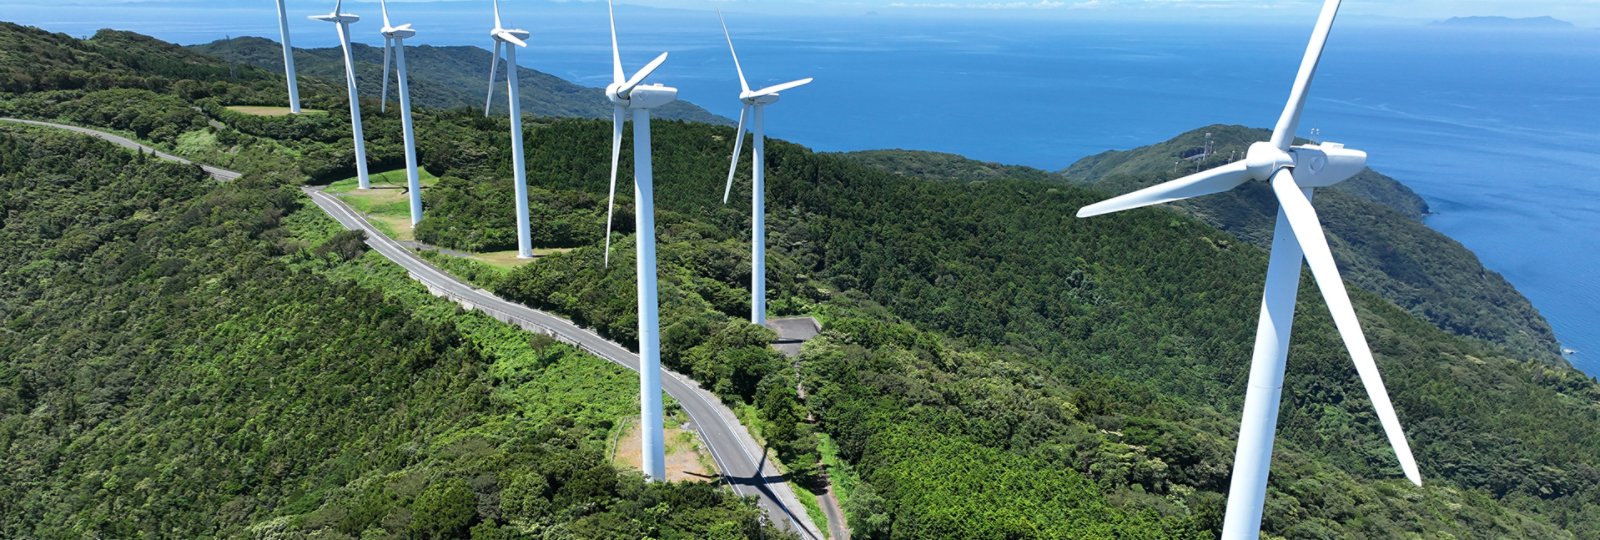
{"points": [[219, 174], [742, 461]]}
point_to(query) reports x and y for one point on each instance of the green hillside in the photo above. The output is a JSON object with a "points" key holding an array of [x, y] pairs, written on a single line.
{"points": [[441, 78], [183, 359], [990, 366], [964, 319], [1375, 227]]}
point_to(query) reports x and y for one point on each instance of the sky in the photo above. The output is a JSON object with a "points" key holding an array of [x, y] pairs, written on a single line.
{"points": [[1582, 12]]}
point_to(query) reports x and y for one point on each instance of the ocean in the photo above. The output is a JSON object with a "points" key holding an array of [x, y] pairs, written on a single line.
{"points": [[1498, 130]]}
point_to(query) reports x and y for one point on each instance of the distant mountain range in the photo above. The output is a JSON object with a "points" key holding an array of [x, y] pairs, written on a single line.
{"points": [[441, 77], [1505, 22]]}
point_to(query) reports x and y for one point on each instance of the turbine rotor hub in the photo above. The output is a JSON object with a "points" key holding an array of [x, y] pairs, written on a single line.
{"points": [[616, 99], [1264, 159]]}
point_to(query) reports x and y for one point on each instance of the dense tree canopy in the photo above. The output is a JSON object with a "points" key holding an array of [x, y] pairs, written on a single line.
{"points": [[990, 366]]}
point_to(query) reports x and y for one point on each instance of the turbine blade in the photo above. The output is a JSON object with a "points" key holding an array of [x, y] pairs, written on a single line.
{"points": [[781, 87], [1215, 180], [511, 39], [638, 78], [338, 8], [616, 158], [494, 66], [497, 24], [616, 55], [384, 4], [738, 146], [1289, 122], [1308, 232], [388, 50], [745, 86]]}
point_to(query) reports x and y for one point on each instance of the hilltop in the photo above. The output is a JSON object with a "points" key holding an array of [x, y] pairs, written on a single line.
{"points": [[1374, 222], [441, 78]]}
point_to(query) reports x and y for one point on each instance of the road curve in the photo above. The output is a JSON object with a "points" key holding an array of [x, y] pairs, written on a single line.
{"points": [[219, 174], [742, 461]]}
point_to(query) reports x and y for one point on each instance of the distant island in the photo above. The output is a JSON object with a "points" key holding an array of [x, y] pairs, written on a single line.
{"points": [[1505, 22]]}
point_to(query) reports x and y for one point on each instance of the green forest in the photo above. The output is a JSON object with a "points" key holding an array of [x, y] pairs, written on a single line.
{"points": [[188, 359]]}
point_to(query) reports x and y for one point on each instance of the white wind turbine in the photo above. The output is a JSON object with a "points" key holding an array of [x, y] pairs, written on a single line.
{"points": [[394, 45], [342, 22], [288, 59], [1292, 171], [755, 104], [505, 39], [631, 95]]}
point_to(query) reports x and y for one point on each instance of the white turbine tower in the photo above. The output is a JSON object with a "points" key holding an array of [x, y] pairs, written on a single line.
{"points": [[755, 104], [394, 45], [1292, 171], [288, 59], [505, 39], [630, 95], [342, 22]]}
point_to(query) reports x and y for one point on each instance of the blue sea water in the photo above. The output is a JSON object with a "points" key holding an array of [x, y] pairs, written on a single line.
{"points": [[1497, 130]]}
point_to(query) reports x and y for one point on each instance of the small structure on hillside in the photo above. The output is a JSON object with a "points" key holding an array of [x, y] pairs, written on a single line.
{"points": [[793, 333]]}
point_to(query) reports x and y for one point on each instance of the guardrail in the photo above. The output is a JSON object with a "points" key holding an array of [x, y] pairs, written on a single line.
{"points": [[497, 314]]}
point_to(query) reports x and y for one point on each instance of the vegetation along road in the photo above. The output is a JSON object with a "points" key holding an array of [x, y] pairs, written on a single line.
{"points": [[741, 459], [219, 174]]}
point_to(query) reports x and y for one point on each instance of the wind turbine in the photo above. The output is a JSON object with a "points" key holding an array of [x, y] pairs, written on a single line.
{"points": [[631, 95], [288, 59], [342, 22], [755, 104], [1293, 172], [504, 38], [394, 44]]}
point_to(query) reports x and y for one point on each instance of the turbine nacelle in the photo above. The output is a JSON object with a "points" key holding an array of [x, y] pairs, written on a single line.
{"points": [[391, 31], [346, 18], [648, 96], [337, 16], [403, 31], [1326, 164], [756, 98], [502, 33]]}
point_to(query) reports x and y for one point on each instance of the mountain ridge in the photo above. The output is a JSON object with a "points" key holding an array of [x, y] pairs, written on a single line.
{"points": [[1489, 22], [441, 77]]}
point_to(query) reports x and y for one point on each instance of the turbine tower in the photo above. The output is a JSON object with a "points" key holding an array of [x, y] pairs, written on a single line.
{"points": [[394, 45], [288, 59], [631, 95], [1292, 172], [342, 22], [755, 104], [505, 39]]}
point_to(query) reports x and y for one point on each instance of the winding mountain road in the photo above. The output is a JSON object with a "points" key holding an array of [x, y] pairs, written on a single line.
{"points": [[217, 173], [740, 458], [742, 461]]}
